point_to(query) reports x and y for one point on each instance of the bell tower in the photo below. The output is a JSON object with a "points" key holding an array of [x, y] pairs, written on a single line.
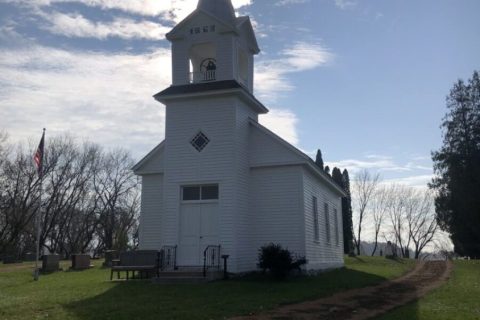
{"points": [[209, 109], [212, 44]]}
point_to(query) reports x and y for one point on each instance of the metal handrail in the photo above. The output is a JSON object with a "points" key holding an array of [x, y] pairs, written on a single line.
{"points": [[168, 257], [211, 258], [204, 76]]}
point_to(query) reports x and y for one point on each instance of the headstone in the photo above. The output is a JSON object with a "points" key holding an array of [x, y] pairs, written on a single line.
{"points": [[389, 251], [80, 262], [50, 263], [109, 256]]}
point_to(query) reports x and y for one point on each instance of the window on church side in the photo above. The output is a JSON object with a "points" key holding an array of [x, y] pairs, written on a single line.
{"points": [[337, 238], [327, 223], [316, 231]]}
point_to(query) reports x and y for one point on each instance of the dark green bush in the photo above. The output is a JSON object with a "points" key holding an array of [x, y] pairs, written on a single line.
{"points": [[278, 261]]}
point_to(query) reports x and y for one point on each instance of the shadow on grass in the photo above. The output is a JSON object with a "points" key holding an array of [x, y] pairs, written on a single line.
{"points": [[218, 300]]}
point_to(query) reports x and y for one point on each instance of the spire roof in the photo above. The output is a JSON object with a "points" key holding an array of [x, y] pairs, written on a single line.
{"points": [[222, 9]]}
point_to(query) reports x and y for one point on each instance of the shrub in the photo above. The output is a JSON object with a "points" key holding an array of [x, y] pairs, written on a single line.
{"points": [[278, 261]]}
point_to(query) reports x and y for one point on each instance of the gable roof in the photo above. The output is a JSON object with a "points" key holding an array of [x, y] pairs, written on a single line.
{"points": [[231, 24], [245, 22], [219, 8], [302, 158], [173, 34], [145, 161]]}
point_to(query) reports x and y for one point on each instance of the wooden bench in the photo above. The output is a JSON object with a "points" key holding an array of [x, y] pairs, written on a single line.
{"points": [[145, 262]]}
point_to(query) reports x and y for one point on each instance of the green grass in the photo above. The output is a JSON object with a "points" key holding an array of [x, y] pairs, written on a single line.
{"points": [[459, 299], [89, 294]]}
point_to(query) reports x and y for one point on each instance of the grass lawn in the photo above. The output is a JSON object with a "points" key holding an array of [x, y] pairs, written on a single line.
{"points": [[89, 294], [459, 299]]}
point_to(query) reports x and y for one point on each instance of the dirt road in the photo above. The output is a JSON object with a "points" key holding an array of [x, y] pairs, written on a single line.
{"points": [[365, 303]]}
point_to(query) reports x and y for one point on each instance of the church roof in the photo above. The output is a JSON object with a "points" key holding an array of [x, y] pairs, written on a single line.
{"points": [[182, 91], [222, 9], [298, 157]]}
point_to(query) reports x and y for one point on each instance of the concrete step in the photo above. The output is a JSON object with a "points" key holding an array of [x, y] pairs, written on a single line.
{"points": [[179, 276], [179, 280]]}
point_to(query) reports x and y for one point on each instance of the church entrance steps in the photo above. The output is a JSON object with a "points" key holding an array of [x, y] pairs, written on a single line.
{"points": [[186, 276]]}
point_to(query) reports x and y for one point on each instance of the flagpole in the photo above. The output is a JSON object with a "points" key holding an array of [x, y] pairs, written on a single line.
{"points": [[38, 219]]}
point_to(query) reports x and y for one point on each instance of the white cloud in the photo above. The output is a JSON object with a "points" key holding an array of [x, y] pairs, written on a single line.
{"points": [[290, 2], [176, 10], [418, 181], [381, 163], [75, 25], [345, 4], [103, 97], [283, 122], [106, 98], [271, 77]]}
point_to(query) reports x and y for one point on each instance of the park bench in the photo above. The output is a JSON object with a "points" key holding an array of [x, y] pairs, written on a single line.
{"points": [[145, 262]]}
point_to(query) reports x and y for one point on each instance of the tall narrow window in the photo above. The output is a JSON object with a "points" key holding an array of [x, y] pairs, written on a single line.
{"points": [[316, 233], [335, 219], [327, 223]]}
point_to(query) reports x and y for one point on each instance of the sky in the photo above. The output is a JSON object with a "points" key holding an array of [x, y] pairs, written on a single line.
{"points": [[363, 80]]}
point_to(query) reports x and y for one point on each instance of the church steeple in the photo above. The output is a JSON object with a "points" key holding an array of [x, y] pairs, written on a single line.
{"points": [[221, 9], [212, 45]]}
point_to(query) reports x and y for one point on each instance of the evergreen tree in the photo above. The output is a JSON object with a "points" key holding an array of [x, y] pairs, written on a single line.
{"points": [[327, 170], [457, 168], [319, 159], [337, 176], [347, 214]]}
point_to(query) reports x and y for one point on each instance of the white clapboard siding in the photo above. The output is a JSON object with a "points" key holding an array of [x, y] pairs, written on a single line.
{"points": [[321, 254], [244, 215], [184, 165], [266, 151], [151, 211], [276, 204]]}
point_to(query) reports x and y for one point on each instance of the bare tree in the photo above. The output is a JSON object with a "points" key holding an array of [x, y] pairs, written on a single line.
{"points": [[3, 146], [19, 202], [420, 217], [380, 203], [117, 195], [90, 199], [399, 198], [364, 186]]}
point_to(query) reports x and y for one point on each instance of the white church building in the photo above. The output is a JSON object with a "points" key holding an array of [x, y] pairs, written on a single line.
{"points": [[220, 178]]}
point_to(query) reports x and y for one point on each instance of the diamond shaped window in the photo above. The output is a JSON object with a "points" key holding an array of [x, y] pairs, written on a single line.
{"points": [[200, 141]]}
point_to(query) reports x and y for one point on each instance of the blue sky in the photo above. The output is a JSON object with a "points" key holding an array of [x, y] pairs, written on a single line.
{"points": [[365, 81]]}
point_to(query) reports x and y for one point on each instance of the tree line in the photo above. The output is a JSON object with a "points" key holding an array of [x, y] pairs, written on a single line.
{"points": [[393, 213], [90, 199]]}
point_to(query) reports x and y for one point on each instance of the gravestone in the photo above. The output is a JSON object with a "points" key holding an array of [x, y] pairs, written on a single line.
{"points": [[50, 263], [29, 256], [80, 262], [10, 259]]}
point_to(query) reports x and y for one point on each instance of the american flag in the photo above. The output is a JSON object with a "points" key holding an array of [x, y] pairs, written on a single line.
{"points": [[38, 157]]}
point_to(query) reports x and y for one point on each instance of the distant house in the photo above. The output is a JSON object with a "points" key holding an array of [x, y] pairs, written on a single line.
{"points": [[220, 178]]}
